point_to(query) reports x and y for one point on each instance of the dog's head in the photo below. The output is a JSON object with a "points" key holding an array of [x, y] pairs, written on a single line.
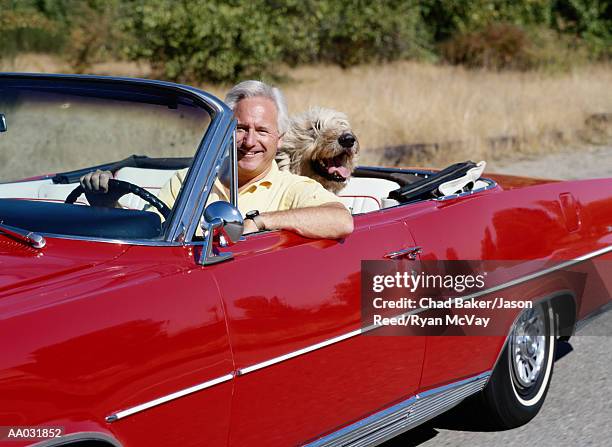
{"points": [[322, 146]]}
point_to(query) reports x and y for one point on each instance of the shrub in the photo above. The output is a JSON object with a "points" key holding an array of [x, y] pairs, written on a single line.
{"points": [[94, 34], [28, 30], [497, 46], [502, 46], [203, 40], [552, 51], [355, 32], [210, 40], [83, 31], [590, 20]]}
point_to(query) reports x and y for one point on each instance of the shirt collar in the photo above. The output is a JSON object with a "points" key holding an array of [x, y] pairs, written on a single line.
{"points": [[265, 182]]}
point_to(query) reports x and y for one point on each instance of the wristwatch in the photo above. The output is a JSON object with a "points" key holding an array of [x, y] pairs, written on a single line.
{"points": [[256, 218]]}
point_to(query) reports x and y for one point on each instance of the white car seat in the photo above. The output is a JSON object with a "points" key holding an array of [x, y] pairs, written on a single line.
{"points": [[362, 194], [150, 179]]}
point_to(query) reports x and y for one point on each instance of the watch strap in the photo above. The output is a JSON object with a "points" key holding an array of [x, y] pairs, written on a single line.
{"points": [[259, 223]]}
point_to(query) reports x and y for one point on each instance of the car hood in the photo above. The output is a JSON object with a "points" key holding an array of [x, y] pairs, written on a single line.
{"points": [[515, 181], [23, 267]]}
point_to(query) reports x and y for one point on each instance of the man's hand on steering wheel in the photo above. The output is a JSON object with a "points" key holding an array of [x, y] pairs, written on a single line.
{"points": [[95, 185], [101, 189]]}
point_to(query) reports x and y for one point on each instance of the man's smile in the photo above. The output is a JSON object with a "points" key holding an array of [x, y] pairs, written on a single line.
{"points": [[251, 153]]}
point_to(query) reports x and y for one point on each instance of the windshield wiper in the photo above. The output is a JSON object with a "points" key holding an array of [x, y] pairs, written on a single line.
{"points": [[34, 239]]}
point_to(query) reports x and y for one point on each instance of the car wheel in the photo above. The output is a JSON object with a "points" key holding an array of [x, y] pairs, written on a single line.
{"points": [[518, 386]]}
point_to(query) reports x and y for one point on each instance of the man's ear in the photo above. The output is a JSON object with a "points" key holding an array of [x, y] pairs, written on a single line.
{"points": [[280, 141]]}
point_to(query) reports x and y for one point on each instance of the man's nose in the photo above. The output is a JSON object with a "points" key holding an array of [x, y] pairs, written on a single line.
{"points": [[249, 139], [346, 140]]}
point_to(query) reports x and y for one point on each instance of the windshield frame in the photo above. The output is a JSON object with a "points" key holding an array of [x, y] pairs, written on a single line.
{"points": [[190, 203]]}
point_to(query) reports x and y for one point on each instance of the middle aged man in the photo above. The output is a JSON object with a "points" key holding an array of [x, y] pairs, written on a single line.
{"points": [[283, 200]]}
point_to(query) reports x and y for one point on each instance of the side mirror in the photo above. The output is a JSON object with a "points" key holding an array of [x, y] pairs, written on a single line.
{"points": [[3, 127], [222, 220]]}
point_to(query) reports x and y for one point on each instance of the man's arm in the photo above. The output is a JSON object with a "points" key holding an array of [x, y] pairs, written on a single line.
{"points": [[330, 221]]}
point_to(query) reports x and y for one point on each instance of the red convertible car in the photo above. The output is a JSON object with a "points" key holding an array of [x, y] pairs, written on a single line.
{"points": [[122, 328]]}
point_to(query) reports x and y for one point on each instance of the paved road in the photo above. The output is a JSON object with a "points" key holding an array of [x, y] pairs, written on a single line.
{"points": [[578, 408], [577, 411], [590, 162]]}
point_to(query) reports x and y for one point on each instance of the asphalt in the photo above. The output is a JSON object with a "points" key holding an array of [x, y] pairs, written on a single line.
{"points": [[570, 164]]}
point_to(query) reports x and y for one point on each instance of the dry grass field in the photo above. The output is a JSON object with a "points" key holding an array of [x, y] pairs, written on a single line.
{"points": [[407, 103], [403, 104]]}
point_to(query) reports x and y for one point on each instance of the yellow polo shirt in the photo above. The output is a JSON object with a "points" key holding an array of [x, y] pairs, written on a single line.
{"points": [[277, 191]]}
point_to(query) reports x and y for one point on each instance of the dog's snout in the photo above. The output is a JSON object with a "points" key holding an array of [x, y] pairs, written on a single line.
{"points": [[346, 140]]}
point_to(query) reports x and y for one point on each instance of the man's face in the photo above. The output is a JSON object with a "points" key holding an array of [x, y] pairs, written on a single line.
{"points": [[258, 136]]}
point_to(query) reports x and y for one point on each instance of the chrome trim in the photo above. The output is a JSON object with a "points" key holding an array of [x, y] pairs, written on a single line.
{"points": [[377, 421], [145, 242], [369, 328], [222, 220], [527, 347], [162, 400], [492, 184], [409, 253], [560, 293], [211, 102], [29, 237], [234, 170], [403, 416], [282, 358], [540, 273]]}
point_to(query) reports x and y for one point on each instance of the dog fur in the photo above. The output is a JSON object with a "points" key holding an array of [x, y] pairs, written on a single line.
{"points": [[320, 144]]}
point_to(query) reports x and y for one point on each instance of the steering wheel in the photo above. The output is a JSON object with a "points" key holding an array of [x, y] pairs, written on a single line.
{"points": [[121, 187]]}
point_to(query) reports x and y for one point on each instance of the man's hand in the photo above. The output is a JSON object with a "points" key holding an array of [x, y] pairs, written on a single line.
{"points": [[95, 185]]}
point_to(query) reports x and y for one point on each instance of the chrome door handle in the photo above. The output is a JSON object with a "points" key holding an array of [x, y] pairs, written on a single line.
{"points": [[407, 253]]}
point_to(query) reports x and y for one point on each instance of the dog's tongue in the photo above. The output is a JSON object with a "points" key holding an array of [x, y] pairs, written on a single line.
{"points": [[340, 170]]}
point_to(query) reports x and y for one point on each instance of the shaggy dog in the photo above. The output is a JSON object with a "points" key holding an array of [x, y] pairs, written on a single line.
{"points": [[321, 145]]}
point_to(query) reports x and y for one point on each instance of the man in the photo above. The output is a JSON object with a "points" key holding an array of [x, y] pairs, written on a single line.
{"points": [[283, 200]]}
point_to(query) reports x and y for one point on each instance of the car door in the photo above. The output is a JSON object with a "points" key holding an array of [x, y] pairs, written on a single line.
{"points": [[496, 226], [177, 343], [293, 309]]}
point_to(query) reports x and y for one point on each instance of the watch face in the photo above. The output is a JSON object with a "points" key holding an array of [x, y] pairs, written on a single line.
{"points": [[252, 214]]}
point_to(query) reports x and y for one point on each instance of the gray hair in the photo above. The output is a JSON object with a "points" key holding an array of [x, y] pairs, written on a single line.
{"points": [[252, 89]]}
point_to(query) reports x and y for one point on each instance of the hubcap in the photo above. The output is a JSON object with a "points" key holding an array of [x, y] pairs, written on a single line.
{"points": [[528, 346]]}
